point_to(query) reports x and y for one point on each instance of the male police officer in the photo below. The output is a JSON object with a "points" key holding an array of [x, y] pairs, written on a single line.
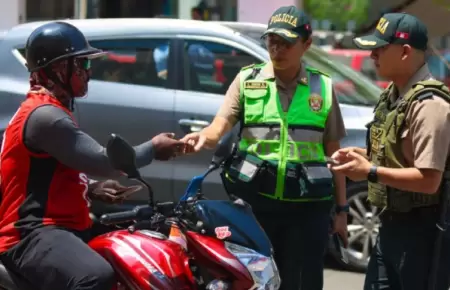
{"points": [[290, 119], [408, 149]]}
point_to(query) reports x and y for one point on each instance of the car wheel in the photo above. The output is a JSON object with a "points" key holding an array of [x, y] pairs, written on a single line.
{"points": [[363, 227]]}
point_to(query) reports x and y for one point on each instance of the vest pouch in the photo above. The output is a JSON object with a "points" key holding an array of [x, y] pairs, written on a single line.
{"points": [[254, 103], [240, 175], [313, 181], [377, 194]]}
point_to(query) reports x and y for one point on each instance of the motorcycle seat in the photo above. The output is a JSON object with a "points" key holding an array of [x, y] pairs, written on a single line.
{"points": [[6, 279]]}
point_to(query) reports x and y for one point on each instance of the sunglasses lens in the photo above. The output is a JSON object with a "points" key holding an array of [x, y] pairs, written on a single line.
{"points": [[86, 63]]}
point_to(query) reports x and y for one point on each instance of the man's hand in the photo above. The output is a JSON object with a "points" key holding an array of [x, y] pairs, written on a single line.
{"points": [[108, 191], [353, 165], [166, 147], [341, 155], [195, 141], [340, 227]]}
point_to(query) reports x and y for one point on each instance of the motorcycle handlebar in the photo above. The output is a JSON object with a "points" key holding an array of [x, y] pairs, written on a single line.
{"points": [[139, 212]]}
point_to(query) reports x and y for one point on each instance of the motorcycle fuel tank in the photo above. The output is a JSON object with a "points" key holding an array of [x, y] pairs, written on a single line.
{"points": [[233, 222], [145, 260]]}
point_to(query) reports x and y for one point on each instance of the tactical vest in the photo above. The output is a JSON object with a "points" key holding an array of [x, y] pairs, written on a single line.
{"points": [[384, 145], [286, 139]]}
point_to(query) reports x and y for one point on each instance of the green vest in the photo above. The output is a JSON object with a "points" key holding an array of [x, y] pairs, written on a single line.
{"points": [[384, 144], [285, 139]]}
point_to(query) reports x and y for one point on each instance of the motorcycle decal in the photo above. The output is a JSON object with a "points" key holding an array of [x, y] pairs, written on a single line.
{"points": [[222, 232]]}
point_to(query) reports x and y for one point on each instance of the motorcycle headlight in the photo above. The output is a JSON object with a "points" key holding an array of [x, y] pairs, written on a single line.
{"points": [[262, 269]]}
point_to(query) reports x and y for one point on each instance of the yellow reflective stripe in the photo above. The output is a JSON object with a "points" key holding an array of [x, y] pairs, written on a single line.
{"points": [[296, 135], [261, 133], [305, 151], [305, 135], [296, 151], [327, 91]]}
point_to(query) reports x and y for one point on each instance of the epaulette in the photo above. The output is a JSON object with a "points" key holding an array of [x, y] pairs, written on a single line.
{"points": [[313, 70], [248, 66], [427, 95]]}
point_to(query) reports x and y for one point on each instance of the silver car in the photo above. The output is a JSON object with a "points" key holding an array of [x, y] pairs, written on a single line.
{"points": [[170, 75]]}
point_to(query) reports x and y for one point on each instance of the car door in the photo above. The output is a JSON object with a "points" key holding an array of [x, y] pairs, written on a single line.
{"points": [[130, 94], [209, 65]]}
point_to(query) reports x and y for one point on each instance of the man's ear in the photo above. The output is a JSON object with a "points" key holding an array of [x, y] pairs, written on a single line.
{"points": [[407, 50]]}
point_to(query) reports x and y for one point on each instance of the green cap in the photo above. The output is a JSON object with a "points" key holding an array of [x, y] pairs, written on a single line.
{"points": [[395, 28], [290, 23]]}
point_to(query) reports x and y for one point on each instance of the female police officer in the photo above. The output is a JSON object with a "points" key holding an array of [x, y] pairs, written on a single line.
{"points": [[289, 120]]}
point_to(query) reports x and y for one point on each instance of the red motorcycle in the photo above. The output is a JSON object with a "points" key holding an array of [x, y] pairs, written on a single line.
{"points": [[191, 244]]}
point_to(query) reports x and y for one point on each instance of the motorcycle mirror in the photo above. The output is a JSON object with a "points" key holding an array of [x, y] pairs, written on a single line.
{"points": [[223, 149], [122, 156]]}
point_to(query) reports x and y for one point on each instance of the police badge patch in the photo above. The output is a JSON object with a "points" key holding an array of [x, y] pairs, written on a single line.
{"points": [[315, 102]]}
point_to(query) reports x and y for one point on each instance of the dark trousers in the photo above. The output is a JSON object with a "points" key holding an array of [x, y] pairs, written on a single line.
{"points": [[299, 236], [402, 255], [54, 258]]}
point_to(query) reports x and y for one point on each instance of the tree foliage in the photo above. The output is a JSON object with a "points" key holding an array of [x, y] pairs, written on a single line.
{"points": [[339, 12]]}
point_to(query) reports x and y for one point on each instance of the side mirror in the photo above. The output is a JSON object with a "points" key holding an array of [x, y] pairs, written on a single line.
{"points": [[122, 156], [223, 149]]}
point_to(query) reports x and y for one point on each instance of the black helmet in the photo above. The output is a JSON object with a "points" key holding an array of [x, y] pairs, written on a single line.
{"points": [[54, 41]]}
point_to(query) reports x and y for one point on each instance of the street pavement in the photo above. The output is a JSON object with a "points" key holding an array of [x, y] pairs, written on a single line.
{"points": [[342, 280], [338, 279]]}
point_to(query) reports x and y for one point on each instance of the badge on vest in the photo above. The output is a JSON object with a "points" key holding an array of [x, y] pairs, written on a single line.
{"points": [[315, 102], [255, 85]]}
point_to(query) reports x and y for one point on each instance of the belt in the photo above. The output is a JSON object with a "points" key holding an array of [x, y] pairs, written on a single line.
{"points": [[416, 214]]}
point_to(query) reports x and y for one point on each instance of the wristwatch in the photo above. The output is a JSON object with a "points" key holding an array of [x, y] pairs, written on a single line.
{"points": [[372, 176], [342, 208]]}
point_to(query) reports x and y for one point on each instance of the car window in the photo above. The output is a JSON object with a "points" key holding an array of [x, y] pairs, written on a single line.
{"points": [[351, 87], [139, 62], [345, 59], [368, 69], [211, 67]]}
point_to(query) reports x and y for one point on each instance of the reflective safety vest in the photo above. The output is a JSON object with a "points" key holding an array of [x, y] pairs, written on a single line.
{"points": [[285, 139], [384, 145]]}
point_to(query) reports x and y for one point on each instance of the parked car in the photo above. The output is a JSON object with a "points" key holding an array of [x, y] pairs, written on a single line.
{"points": [[128, 97], [360, 61], [439, 66]]}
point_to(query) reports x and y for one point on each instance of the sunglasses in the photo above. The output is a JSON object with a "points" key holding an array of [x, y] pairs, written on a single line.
{"points": [[272, 41], [84, 63]]}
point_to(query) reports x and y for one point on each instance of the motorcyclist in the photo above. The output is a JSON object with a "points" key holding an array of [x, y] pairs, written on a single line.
{"points": [[44, 213]]}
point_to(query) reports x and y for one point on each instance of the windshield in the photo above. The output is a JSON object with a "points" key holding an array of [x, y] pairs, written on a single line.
{"points": [[351, 87]]}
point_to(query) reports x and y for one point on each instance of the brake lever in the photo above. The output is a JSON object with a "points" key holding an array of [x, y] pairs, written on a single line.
{"points": [[147, 224]]}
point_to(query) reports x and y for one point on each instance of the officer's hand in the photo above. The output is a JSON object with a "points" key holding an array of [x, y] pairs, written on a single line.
{"points": [[341, 155], [195, 142], [356, 166], [340, 227], [166, 147]]}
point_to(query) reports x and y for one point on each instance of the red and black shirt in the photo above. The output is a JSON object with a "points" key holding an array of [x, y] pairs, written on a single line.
{"points": [[43, 160], [36, 188]]}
